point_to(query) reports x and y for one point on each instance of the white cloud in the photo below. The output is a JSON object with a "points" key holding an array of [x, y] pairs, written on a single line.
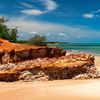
{"points": [[92, 14], [26, 4], [82, 26], [88, 15], [51, 30], [33, 11], [50, 5], [33, 32], [97, 11], [62, 34], [35, 26]]}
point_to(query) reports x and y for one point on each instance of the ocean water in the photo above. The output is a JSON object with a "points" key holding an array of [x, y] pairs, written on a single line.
{"points": [[83, 48]]}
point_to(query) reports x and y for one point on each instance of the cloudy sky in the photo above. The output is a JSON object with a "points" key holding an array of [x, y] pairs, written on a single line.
{"points": [[76, 21]]}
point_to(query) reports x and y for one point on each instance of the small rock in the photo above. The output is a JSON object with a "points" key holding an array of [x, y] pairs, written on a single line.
{"points": [[81, 76], [93, 73]]}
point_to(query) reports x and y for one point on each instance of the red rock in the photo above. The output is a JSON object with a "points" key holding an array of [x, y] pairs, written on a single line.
{"points": [[31, 63], [13, 52]]}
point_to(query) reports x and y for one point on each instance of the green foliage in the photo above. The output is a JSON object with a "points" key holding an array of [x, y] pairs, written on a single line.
{"points": [[13, 35], [38, 40], [7, 33]]}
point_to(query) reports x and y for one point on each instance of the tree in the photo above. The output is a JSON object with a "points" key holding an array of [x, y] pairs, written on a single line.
{"points": [[13, 35], [3, 20], [38, 40], [3, 29], [7, 33]]}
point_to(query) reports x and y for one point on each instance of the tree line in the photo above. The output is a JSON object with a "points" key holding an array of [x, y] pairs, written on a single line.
{"points": [[11, 34], [7, 33]]}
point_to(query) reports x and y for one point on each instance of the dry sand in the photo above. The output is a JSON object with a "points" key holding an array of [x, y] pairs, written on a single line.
{"points": [[54, 90]]}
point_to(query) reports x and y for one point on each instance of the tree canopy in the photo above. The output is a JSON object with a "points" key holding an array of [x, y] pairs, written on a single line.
{"points": [[38, 40], [7, 33]]}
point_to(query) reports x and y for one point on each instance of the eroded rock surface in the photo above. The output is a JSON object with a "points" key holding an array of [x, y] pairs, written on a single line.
{"points": [[32, 63], [11, 52], [65, 67]]}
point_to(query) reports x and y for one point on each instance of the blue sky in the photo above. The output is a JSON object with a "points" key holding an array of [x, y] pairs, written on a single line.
{"points": [[76, 21]]}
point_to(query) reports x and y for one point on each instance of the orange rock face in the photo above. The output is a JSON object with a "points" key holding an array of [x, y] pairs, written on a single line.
{"points": [[13, 52], [30, 63], [7, 46]]}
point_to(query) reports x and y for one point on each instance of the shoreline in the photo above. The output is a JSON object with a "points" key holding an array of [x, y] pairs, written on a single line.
{"points": [[88, 52]]}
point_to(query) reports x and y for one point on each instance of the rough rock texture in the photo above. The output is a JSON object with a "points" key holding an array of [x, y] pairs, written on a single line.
{"points": [[65, 67], [11, 52], [32, 63]]}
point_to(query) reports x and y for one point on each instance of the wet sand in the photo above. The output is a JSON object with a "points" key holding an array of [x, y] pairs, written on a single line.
{"points": [[53, 90]]}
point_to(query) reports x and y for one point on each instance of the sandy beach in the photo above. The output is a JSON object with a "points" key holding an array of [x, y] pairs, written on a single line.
{"points": [[53, 90]]}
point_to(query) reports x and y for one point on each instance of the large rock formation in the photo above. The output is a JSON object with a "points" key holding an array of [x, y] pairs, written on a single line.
{"points": [[65, 67], [11, 52], [31, 63]]}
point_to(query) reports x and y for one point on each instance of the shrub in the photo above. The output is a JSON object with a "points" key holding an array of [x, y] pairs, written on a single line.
{"points": [[38, 40]]}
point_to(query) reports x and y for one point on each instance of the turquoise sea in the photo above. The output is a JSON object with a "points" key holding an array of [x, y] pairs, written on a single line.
{"points": [[80, 47]]}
